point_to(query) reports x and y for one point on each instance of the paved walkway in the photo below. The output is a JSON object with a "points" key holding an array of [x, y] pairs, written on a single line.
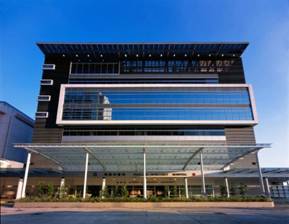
{"points": [[166, 216]]}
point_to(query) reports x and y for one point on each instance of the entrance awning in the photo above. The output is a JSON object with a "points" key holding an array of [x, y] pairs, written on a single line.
{"points": [[125, 157]]}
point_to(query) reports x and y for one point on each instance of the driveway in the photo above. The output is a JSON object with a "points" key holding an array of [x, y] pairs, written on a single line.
{"points": [[166, 216]]}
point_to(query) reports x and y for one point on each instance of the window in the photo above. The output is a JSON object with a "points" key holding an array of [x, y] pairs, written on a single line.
{"points": [[44, 98], [48, 67], [176, 66], [46, 82], [95, 68], [41, 115], [149, 104]]}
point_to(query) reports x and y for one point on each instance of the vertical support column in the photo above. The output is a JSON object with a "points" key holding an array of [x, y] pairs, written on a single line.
{"points": [[19, 188], [62, 182], [144, 175], [268, 187], [85, 175], [103, 186], [227, 187], [23, 193], [260, 174], [103, 183], [186, 187], [62, 187], [203, 175]]}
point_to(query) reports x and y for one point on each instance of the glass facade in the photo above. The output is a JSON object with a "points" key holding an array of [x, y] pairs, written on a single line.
{"points": [[161, 104]]}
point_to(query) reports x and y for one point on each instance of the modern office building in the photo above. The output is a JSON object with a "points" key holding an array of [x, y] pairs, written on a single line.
{"points": [[156, 117]]}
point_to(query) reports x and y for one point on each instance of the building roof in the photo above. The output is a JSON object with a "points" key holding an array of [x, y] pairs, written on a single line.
{"points": [[275, 174], [128, 157], [169, 48], [250, 172], [19, 114]]}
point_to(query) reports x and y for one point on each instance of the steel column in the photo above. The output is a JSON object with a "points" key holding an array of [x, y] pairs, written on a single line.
{"points": [[62, 187], [260, 174], [85, 175], [103, 186], [203, 175], [227, 187], [268, 187], [144, 175], [186, 187], [62, 182], [19, 188], [26, 175]]}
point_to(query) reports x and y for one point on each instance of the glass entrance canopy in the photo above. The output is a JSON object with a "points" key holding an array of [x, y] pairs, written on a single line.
{"points": [[125, 157]]}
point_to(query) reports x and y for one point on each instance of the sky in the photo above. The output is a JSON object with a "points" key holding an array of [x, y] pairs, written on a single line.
{"points": [[263, 23]]}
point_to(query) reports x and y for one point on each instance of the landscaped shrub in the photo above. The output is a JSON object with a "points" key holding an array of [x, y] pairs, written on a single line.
{"points": [[233, 191], [150, 199], [242, 189], [104, 193], [166, 191], [45, 190], [223, 190], [175, 191]]}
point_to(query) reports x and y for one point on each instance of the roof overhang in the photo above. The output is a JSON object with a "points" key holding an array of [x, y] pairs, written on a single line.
{"points": [[165, 48], [125, 157]]}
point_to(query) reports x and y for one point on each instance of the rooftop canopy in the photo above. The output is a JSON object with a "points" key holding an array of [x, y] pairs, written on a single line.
{"points": [[104, 157], [119, 49]]}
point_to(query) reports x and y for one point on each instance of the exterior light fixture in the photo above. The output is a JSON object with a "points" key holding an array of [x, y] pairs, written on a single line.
{"points": [[234, 55], [136, 55], [161, 55], [174, 55], [150, 55], [198, 55], [88, 55], [76, 55], [63, 55], [185, 55], [222, 55], [125, 55], [101, 55], [210, 55]]}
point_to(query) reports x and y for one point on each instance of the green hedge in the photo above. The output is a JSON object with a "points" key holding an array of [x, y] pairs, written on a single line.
{"points": [[151, 199]]}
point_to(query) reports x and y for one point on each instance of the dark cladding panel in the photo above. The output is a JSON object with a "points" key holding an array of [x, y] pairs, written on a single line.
{"points": [[234, 74], [240, 135], [46, 130]]}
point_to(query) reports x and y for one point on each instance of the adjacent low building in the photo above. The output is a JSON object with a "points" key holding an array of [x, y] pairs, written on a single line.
{"points": [[15, 127]]}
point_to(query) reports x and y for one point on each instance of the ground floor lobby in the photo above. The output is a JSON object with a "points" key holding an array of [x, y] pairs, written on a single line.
{"points": [[133, 186]]}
